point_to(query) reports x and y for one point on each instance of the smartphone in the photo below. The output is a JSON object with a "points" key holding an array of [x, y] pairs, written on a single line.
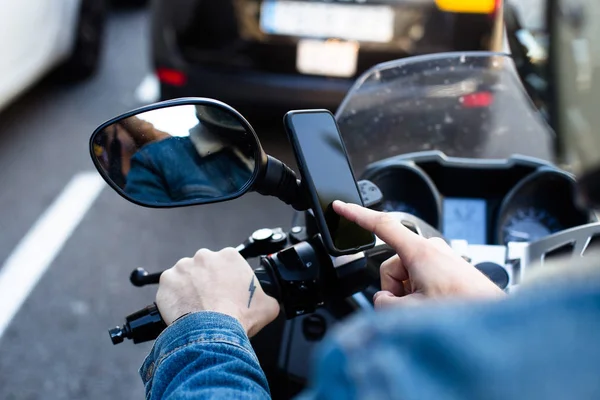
{"points": [[327, 174]]}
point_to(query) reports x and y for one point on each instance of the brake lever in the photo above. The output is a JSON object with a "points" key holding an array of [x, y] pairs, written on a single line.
{"points": [[262, 242], [140, 277]]}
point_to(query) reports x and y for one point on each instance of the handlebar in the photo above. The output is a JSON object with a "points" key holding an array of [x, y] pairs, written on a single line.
{"points": [[296, 276], [146, 324], [300, 278]]}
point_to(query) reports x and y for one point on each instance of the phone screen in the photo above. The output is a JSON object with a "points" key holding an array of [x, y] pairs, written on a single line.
{"points": [[324, 164]]}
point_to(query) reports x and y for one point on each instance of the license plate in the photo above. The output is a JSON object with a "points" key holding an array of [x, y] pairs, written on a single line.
{"points": [[329, 58], [369, 23]]}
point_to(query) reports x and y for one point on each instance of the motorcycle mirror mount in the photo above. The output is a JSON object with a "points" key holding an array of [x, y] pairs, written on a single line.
{"points": [[186, 152], [280, 181]]}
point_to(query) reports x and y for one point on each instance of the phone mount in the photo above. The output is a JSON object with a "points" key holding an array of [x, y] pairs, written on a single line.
{"points": [[280, 181]]}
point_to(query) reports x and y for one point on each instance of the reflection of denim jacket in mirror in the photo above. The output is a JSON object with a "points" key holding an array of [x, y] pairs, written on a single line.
{"points": [[171, 170], [538, 345]]}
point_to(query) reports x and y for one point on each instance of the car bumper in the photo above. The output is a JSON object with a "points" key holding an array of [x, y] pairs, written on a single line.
{"points": [[260, 89]]}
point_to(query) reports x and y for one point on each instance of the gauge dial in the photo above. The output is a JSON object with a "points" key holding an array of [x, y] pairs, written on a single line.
{"points": [[398, 206], [529, 224]]}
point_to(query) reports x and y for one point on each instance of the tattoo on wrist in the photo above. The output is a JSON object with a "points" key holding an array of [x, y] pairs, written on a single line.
{"points": [[251, 289]]}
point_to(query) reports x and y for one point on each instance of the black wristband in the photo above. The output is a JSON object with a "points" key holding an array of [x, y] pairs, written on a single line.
{"points": [[184, 315]]}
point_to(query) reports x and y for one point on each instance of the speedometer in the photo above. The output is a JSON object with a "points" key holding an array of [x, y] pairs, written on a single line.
{"points": [[398, 206], [529, 224]]}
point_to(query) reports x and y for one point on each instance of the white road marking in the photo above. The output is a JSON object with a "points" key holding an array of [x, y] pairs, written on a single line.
{"points": [[148, 91], [40, 246]]}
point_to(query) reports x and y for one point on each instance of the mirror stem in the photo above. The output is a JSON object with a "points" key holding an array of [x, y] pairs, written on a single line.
{"points": [[280, 181]]}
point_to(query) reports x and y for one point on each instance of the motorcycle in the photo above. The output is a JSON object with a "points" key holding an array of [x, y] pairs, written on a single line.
{"points": [[449, 144]]}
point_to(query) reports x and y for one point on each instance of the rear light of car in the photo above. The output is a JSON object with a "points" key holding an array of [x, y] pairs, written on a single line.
{"points": [[498, 8], [477, 100], [171, 77]]}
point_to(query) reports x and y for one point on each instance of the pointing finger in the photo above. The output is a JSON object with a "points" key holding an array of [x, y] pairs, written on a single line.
{"points": [[391, 231]]}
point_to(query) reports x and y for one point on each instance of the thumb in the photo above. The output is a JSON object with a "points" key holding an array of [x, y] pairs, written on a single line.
{"points": [[387, 299]]}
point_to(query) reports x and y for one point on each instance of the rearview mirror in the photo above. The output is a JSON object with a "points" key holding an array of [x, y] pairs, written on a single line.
{"points": [[178, 153]]}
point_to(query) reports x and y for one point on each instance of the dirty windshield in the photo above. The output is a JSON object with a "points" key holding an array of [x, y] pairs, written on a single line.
{"points": [[468, 105]]}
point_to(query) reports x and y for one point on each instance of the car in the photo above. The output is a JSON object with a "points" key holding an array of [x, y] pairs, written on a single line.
{"points": [[296, 54], [42, 36]]}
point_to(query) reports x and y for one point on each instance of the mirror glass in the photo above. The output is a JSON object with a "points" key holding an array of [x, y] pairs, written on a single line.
{"points": [[177, 155]]}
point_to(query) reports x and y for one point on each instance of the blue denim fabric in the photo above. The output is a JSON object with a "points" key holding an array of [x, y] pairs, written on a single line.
{"points": [[172, 171], [539, 345], [201, 356]]}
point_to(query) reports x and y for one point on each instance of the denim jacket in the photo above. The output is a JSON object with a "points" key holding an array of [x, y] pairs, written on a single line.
{"points": [[171, 170], [539, 345]]}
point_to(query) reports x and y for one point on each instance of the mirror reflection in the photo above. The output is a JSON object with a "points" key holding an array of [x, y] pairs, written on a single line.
{"points": [[177, 154]]}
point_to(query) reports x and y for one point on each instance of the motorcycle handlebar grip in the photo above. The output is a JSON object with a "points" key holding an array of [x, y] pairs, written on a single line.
{"points": [[146, 324], [141, 326]]}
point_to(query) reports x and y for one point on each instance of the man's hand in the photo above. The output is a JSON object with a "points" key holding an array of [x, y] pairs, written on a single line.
{"points": [[142, 132], [222, 282], [422, 268]]}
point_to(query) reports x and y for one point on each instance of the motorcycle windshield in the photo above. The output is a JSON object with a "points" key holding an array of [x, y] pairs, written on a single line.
{"points": [[468, 105]]}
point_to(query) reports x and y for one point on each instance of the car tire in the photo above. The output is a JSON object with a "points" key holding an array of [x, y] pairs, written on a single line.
{"points": [[89, 42]]}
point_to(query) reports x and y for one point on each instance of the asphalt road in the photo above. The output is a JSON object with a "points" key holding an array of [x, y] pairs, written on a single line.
{"points": [[57, 346]]}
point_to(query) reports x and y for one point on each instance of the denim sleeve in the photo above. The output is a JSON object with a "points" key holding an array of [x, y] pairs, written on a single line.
{"points": [[144, 181], [204, 355], [329, 380]]}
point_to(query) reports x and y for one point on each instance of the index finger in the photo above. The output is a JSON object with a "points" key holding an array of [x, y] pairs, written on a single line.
{"points": [[391, 231]]}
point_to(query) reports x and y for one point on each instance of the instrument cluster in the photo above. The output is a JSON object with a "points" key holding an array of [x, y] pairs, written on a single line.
{"points": [[481, 204], [538, 206], [407, 188]]}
